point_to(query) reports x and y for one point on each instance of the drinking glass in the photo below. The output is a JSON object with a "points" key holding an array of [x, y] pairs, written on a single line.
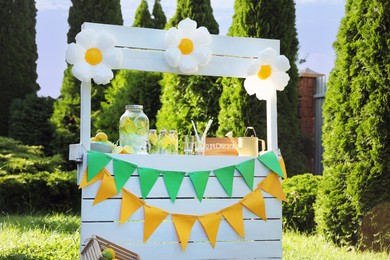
{"points": [[188, 144]]}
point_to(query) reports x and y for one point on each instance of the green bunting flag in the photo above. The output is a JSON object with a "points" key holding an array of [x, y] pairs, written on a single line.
{"points": [[247, 170], [225, 177], [147, 179], [96, 162], [199, 181], [271, 162], [122, 172], [173, 181]]}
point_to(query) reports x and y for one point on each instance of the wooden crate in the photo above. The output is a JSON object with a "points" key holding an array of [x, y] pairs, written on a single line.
{"points": [[95, 246]]}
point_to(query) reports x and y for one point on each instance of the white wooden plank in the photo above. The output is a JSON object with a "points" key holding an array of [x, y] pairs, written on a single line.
{"points": [[109, 210], [147, 60], [132, 232], [199, 251], [145, 38]]}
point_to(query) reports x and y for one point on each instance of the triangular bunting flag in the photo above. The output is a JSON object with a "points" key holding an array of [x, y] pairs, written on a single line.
{"points": [[254, 201], [199, 181], [183, 225], [283, 166], [153, 218], [271, 162], [107, 189], [96, 162], [272, 185], [225, 177], [122, 172], [147, 179], [173, 181], [130, 204], [234, 217], [247, 170], [210, 223], [84, 182]]}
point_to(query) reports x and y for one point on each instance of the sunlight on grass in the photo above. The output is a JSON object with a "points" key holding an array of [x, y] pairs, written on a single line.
{"points": [[56, 236], [298, 246]]}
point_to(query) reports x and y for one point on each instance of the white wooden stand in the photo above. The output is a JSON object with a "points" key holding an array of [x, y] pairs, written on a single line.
{"points": [[143, 49]]}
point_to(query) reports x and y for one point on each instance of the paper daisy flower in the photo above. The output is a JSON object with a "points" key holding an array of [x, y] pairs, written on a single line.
{"points": [[94, 56], [267, 74], [187, 46]]}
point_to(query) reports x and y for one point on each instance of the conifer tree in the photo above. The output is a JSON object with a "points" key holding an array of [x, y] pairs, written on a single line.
{"points": [[356, 127], [18, 55], [66, 115], [158, 15], [186, 98], [133, 87], [273, 20]]}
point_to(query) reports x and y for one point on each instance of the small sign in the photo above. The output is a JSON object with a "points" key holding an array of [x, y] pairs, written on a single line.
{"points": [[220, 146]]}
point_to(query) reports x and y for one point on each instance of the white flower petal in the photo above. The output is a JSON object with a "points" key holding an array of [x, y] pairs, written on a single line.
{"points": [[82, 71], [250, 84], [105, 41], [172, 37], [187, 27], [102, 74], [74, 53], [282, 63], [188, 64], [279, 79], [87, 38], [202, 55], [201, 36], [267, 56], [113, 58], [173, 56]]}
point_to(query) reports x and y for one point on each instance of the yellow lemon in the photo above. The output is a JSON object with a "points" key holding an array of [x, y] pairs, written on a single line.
{"points": [[109, 249], [127, 149], [117, 149], [153, 139], [101, 137]]}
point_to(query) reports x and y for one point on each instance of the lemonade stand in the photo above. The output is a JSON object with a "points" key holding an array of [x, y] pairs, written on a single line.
{"points": [[178, 206]]}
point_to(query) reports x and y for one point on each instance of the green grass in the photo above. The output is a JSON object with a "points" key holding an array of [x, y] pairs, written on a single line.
{"points": [[56, 236]]}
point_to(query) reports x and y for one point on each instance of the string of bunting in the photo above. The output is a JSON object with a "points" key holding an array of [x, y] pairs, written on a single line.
{"points": [[172, 179], [183, 223]]}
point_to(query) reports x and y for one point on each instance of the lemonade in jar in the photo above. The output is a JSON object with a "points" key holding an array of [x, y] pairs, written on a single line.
{"points": [[134, 129]]}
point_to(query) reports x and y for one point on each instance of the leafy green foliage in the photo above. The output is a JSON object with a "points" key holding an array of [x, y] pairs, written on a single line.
{"points": [[18, 55], [272, 20], [356, 123], [66, 115], [186, 98], [301, 192], [129, 87], [30, 181], [29, 121]]}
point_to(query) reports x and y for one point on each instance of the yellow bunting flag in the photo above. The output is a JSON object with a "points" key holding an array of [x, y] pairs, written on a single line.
{"points": [[283, 166], [234, 217], [183, 225], [107, 188], [210, 223], [84, 181], [153, 218], [254, 201], [272, 185], [130, 204]]}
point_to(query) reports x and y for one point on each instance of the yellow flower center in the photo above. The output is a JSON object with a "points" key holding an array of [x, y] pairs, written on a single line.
{"points": [[186, 46], [93, 56], [264, 72]]}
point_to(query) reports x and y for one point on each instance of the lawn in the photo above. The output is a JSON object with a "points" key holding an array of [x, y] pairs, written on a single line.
{"points": [[56, 236]]}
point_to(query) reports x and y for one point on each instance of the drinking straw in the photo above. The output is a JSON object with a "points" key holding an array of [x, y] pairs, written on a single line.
{"points": [[207, 129], [196, 132]]}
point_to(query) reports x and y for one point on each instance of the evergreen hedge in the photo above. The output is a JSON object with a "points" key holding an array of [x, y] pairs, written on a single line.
{"points": [[356, 127]]}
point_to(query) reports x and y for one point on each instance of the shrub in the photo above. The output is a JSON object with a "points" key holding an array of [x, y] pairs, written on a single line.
{"points": [[43, 191], [301, 192]]}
